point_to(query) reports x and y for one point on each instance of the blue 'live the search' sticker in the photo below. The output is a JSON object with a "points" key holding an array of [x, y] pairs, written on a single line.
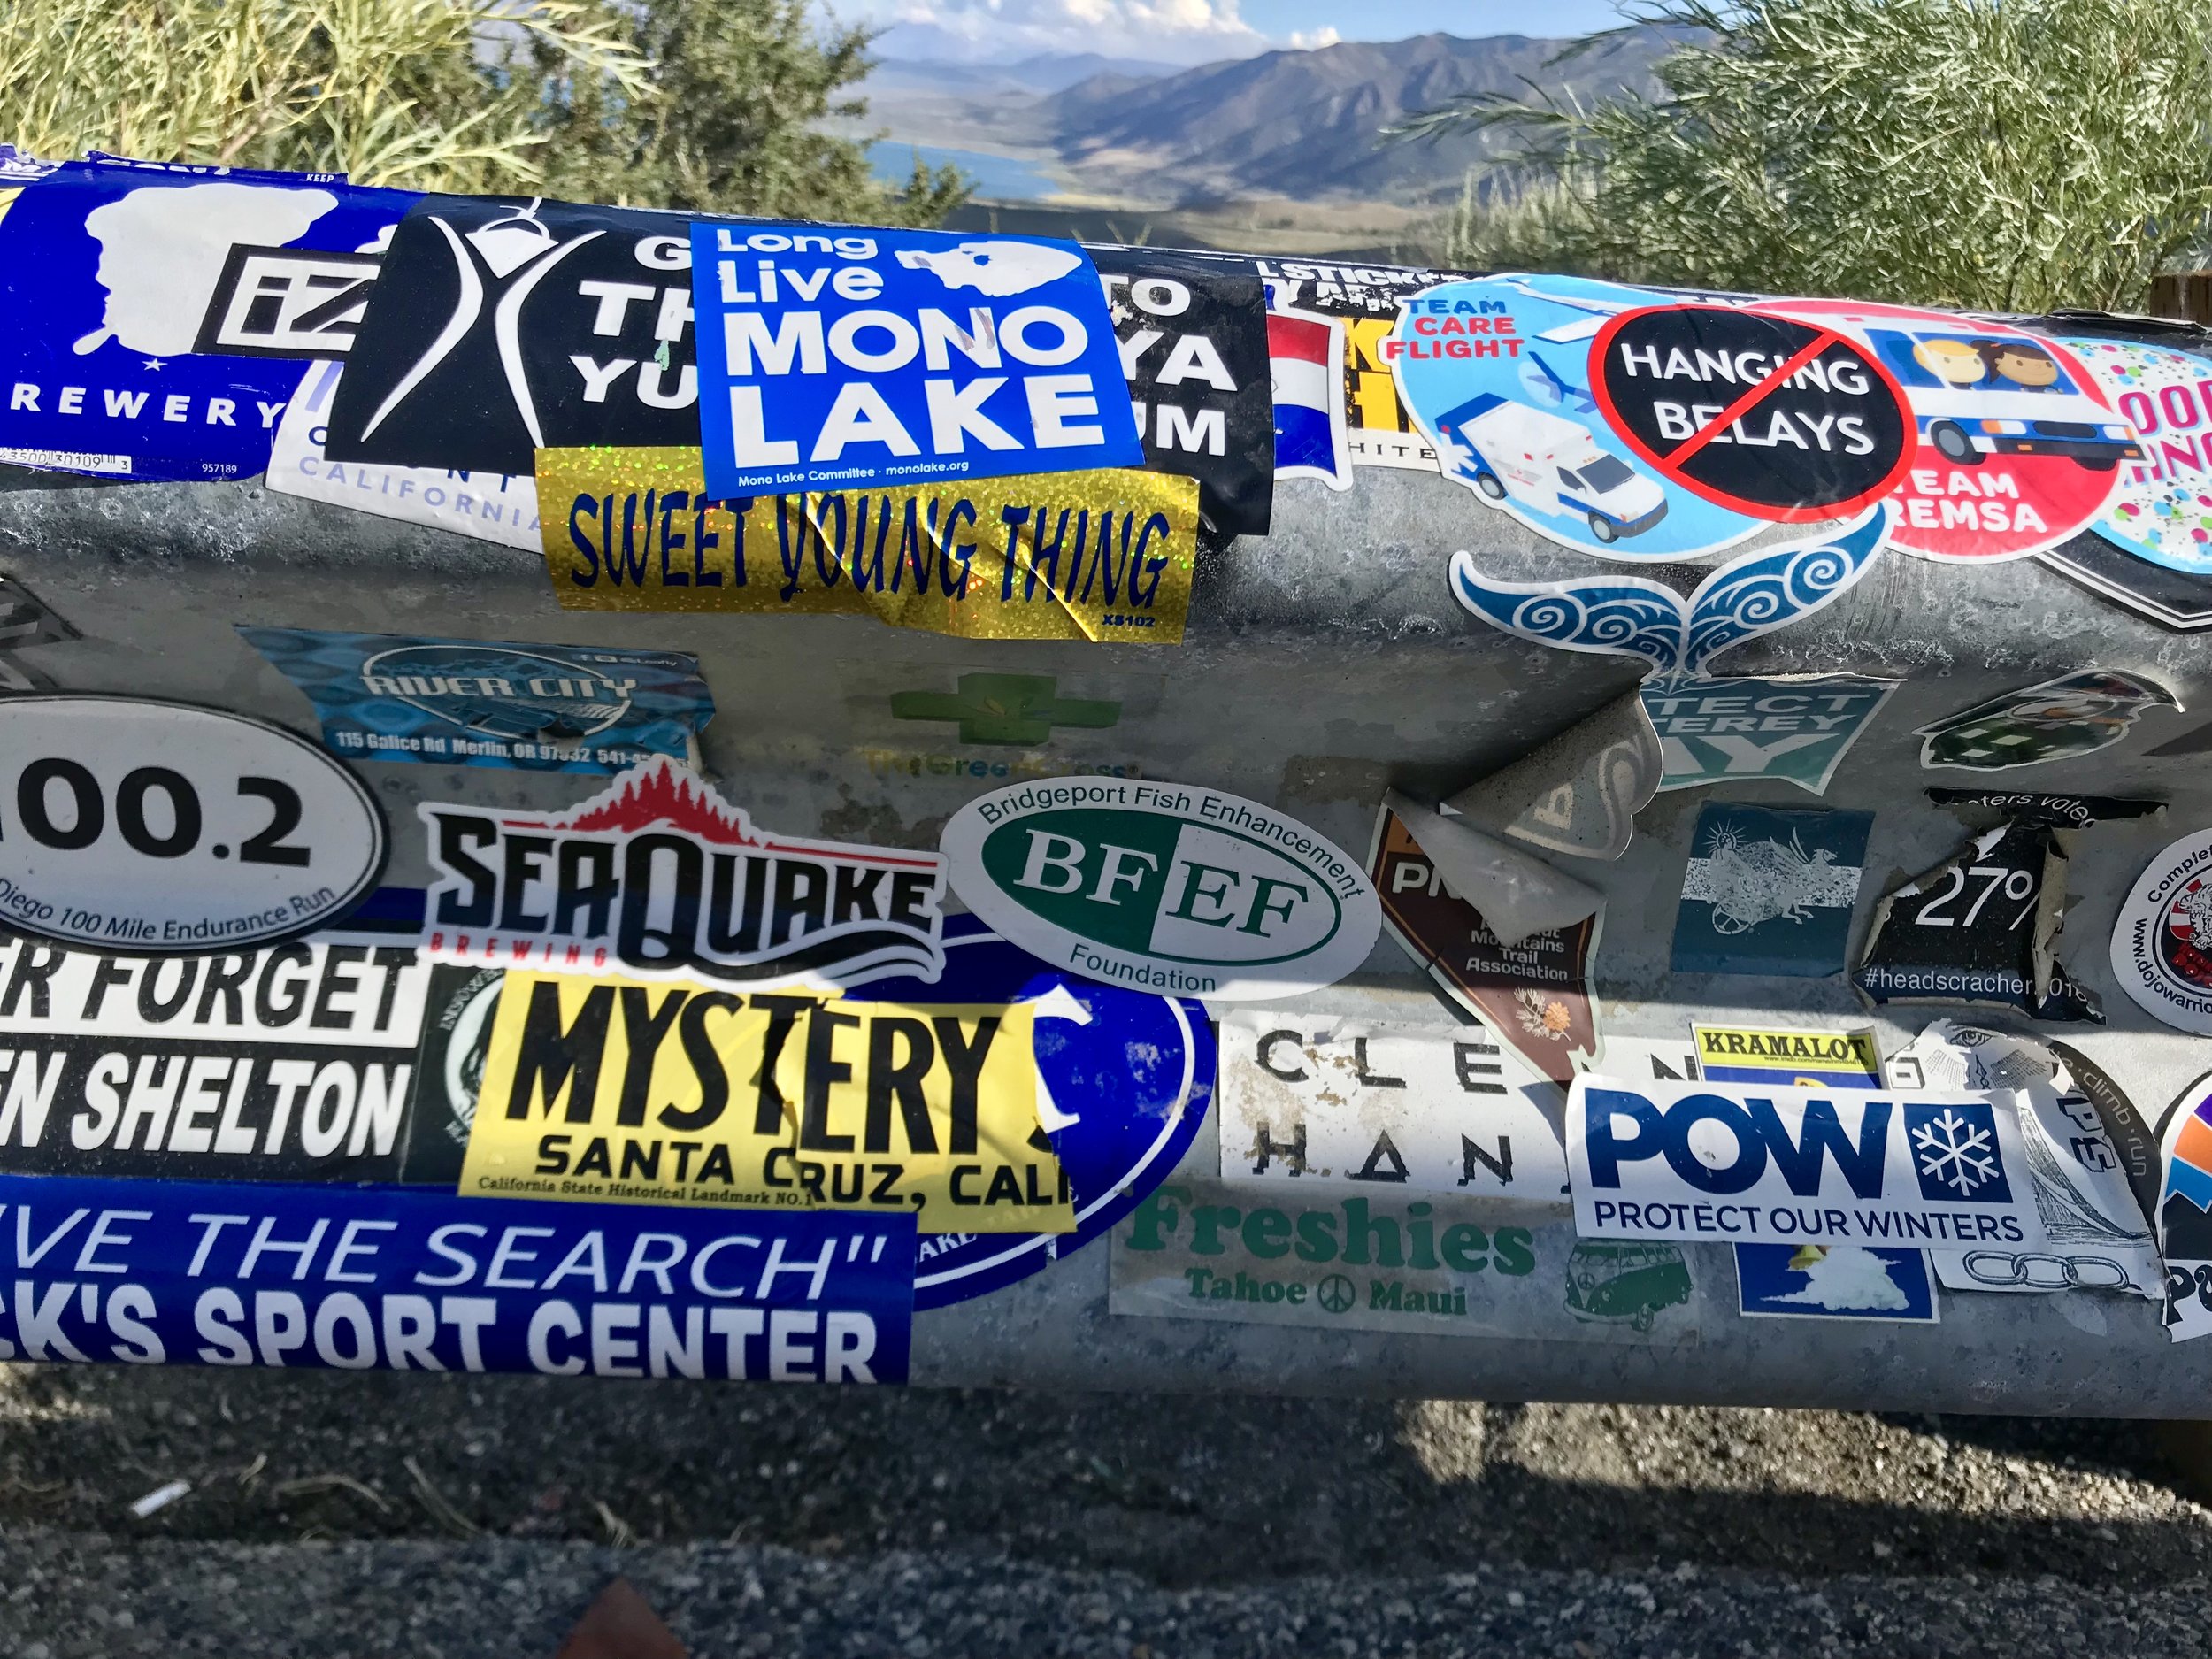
{"points": [[831, 358]]}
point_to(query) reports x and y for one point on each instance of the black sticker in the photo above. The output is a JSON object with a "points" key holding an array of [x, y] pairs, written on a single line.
{"points": [[1194, 345], [1764, 415], [288, 302], [2061, 812], [290, 1063], [1980, 927], [2131, 1138], [501, 326], [456, 1034]]}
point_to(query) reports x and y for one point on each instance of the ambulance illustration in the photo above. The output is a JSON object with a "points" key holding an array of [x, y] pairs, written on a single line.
{"points": [[1547, 464], [1976, 396]]}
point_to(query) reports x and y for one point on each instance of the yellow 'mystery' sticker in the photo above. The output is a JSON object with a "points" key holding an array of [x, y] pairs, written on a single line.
{"points": [[1062, 555], [615, 1090]]}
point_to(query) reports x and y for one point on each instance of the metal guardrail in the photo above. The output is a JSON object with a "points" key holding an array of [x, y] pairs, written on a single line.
{"points": [[1339, 659]]}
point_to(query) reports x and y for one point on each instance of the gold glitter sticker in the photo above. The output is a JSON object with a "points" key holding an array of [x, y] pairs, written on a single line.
{"points": [[1102, 555]]}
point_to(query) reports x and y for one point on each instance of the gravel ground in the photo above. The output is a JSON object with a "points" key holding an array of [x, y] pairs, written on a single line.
{"points": [[337, 1514]]}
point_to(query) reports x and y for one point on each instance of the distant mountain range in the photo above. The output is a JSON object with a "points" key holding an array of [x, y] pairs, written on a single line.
{"points": [[1299, 125]]}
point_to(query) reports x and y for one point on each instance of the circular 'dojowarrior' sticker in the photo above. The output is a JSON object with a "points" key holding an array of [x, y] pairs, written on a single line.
{"points": [[1123, 1081], [162, 829], [2161, 945], [1173, 889]]}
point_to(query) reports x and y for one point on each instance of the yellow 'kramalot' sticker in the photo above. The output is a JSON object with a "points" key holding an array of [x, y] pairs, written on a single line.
{"points": [[1788, 1059], [1060, 556], [615, 1090]]}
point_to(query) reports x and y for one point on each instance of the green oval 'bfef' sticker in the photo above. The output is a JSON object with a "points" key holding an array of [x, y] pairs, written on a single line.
{"points": [[1167, 887]]}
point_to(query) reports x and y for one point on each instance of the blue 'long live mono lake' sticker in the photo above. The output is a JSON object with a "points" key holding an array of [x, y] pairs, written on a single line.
{"points": [[831, 358]]}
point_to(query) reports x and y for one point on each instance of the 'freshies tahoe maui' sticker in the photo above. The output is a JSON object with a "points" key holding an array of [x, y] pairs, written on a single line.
{"points": [[1169, 888]]}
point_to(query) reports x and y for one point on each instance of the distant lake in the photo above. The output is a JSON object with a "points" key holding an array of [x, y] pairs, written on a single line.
{"points": [[996, 177]]}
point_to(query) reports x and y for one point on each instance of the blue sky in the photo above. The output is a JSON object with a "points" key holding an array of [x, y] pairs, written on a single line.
{"points": [[1191, 31]]}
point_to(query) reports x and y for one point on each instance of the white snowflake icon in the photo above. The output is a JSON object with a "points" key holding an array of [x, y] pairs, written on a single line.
{"points": [[1955, 1152]]}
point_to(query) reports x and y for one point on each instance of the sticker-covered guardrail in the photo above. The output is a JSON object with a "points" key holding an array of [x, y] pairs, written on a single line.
{"points": [[595, 791]]}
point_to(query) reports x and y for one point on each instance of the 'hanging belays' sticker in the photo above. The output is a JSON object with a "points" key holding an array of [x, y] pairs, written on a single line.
{"points": [[2162, 944], [1762, 415], [1534, 994], [385, 1277], [159, 317], [607, 1088], [659, 878], [2017, 448], [831, 358], [1168, 887], [2064, 719], [489, 506], [1499, 375], [501, 326], [166, 828], [1192, 335], [1071, 556], [1306, 1098], [1634, 616], [1980, 927], [1770, 891], [1749, 1164], [1795, 726], [482, 702]]}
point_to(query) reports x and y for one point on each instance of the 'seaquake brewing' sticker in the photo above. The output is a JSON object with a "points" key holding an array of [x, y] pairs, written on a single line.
{"points": [[659, 878], [163, 828], [2161, 945], [1169, 888]]}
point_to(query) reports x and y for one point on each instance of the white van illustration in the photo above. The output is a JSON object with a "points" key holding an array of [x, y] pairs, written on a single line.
{"points": [[1981, 395], [1547, 464]]}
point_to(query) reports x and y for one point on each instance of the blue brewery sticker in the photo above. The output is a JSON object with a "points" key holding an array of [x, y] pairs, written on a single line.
{"points": [[485, 702], [360, 1278], [834, 358], [157, 318]]}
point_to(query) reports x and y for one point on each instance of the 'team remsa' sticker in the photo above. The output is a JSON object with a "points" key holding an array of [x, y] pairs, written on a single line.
{"points": [[1751, 1164], [830, 359]]}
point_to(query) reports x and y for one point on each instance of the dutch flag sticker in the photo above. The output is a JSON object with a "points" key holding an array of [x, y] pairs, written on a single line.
{"points": [[1306, 368]]}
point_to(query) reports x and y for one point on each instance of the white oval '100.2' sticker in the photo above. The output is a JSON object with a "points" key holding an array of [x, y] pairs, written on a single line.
{"points": [[152, 827]]}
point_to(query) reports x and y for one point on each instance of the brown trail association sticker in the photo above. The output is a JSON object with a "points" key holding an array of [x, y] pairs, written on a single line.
{"points": [[1534, 994]]}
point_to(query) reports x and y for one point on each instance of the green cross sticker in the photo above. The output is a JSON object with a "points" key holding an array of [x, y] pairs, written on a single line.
{"points": [[1012, 709]]}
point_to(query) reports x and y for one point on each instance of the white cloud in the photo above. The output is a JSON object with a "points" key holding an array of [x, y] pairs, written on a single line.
{"points": [[1850, 1279], [1313, 40], [1176, 31]]}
